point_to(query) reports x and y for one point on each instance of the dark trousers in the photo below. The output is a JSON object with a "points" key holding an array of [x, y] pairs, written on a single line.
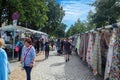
{"points": [[46, 54], [28, 71], [19, 54]]}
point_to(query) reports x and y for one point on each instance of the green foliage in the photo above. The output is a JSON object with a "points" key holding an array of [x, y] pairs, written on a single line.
{"points": [[107, 12], [90, 24], [32, 12], [60, 31], [37, 14], [78, 27], [54, 24]]}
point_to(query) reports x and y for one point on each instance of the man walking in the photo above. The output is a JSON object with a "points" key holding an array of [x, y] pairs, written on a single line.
{"points": [[67, 49]]}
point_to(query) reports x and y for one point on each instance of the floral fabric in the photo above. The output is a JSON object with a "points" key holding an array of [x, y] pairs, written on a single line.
{"points": [[96, 57], [115, 67], [89, 50], [109, 56]]}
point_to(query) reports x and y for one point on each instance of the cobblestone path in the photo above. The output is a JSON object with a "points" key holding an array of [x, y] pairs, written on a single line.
{"points": [[55, 68]]}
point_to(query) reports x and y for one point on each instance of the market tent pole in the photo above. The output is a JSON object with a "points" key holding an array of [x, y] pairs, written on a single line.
{"points": [[15, 17], [14, 25]]}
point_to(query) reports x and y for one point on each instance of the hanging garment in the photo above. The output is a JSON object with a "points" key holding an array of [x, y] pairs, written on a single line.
{"points": [[109, 56], [90, 50], [81, 46], [86, 38], [115, 67], [104, 44], [96, 57], [78, 44]]}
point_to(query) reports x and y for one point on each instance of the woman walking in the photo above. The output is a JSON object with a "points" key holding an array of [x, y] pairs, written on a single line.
{"points": [[28, 57]]}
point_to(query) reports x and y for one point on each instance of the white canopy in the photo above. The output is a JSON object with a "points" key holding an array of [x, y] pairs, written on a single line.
{"points": [[20, 28], [12, 28]]}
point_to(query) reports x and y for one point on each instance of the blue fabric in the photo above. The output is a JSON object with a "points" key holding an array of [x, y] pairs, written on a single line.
{"points": [[31, 55], [19, 43], [3, 65]]}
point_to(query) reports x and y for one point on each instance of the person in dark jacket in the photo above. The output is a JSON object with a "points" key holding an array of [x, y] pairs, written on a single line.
{"points": [[47, 49], [67, 49]]}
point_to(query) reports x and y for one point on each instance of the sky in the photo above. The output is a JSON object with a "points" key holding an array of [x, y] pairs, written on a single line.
{"points": [[74, 10]]}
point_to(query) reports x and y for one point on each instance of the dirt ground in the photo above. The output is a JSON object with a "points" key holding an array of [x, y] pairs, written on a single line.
{"points": [[19, 74]]}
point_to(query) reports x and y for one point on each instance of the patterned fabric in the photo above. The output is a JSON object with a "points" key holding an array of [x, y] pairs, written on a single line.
{"points": [[81, 46], [78, 44], [115, 67], [104, 44], [109, 56], [86, 38], [90, 50], [96, 57]]}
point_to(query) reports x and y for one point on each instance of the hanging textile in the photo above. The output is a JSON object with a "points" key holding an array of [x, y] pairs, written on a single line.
{"points": [[78, 44], [96, 57], [115, 67], [86, 38], [109, 56], [83, 54], [90, 50], [81, 46], [104, 44]]}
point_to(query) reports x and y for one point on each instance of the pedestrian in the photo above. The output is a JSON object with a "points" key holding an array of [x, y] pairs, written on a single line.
{"points": [[19, 45], [58, 44], [42, 46], [4, 64], [67, 49], [47, 49], [62, 43], [52, 44], [28, 57]]}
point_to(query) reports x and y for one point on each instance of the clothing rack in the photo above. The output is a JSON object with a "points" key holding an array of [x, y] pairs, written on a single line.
{"points": [[103, 59], [116, 25]]}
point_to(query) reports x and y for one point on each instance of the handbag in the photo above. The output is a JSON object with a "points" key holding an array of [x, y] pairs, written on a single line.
{"points": [[22, 67], [16, 48]]}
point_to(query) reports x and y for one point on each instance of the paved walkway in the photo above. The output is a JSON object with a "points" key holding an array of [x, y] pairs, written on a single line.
{"points": [[55, 68]]}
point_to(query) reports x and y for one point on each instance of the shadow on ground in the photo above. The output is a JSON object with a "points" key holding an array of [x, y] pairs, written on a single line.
{"points": [[57, 64], [40, 60]]}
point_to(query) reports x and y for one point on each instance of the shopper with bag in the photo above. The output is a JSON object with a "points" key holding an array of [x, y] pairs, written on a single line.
{"points": [[28, 57]]}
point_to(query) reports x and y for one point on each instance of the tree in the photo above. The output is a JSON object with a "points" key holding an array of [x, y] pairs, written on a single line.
{"points": [[32, 12], [107, 12], [78, 27], [55, 16], [90, 24], [60, 31]]}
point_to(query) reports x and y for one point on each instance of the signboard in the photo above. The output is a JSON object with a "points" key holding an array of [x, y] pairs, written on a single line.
{"points": [[15, 15]]}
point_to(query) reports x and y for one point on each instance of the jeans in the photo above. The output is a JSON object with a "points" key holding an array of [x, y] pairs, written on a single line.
{"points": [[28, 71]]}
